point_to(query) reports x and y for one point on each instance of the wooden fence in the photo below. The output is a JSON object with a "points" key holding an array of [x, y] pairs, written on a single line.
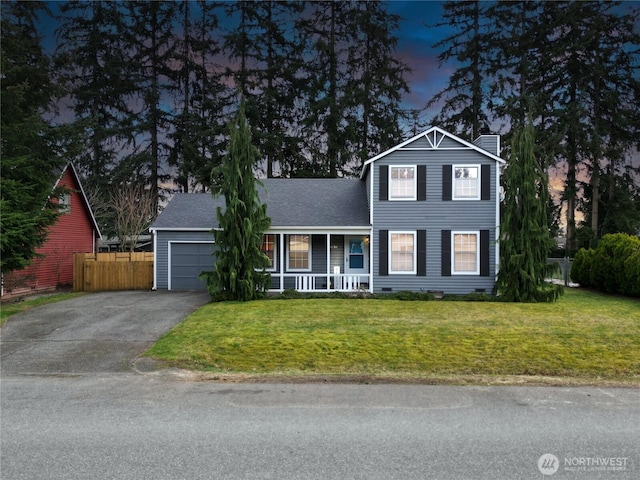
{"points": [[94, 272]]}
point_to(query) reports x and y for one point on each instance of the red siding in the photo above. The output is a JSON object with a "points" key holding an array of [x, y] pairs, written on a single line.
{"points": [[73, 232]]}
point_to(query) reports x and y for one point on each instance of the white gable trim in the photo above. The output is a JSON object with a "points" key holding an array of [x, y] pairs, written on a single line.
{"points": [[74, 172], [435, 136]]}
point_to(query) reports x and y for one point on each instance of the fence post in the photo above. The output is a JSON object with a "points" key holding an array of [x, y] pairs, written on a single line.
{"points": [[78, 272]]}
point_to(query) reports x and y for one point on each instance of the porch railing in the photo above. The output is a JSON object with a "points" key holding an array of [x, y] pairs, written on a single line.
{"points": [[322, 282]]}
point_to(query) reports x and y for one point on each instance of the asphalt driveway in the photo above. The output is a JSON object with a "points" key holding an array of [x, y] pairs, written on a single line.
{"points": [[96, 333]]}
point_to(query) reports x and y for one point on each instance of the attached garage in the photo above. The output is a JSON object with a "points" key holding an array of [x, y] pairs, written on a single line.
{"points": [[187, 261]]}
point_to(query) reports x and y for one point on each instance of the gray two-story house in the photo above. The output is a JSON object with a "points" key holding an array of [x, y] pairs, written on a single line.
{"points": [[423, 216]]}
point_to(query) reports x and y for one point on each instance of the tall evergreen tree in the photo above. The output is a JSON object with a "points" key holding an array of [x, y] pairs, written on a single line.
{"points": [[330, 28], [269, 58], [377, 80], [150, 40], [613, 93], [353, 83], [515, 54], [464, 109], [212, 97], [239, 272], [525, 240], [184, 149], [91, 65], [570, 65], [200, 97], [594, 94], [26, 146]]}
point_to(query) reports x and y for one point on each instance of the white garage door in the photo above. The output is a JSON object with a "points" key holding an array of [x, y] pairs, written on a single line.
{"points": [[188, 260]]}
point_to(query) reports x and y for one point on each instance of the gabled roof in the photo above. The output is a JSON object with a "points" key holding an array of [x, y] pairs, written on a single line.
{"points": [[69, 166], [291, 202], [434, 137]]}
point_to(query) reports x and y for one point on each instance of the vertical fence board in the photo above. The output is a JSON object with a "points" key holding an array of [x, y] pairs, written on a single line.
{"points": [[78, 271], [113, 271]]}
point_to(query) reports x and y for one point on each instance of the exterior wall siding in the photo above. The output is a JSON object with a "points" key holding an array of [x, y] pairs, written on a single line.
{"points": [[318, 255], [433, 215], [490, 143], [161, 262], [72, 233], [368, 190], [337, 252]]}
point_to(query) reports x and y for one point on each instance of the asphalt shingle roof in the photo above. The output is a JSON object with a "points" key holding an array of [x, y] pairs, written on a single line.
{"points": [[299, 202]]}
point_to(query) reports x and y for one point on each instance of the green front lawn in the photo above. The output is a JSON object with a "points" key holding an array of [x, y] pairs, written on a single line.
{"points": [[585, 335]]}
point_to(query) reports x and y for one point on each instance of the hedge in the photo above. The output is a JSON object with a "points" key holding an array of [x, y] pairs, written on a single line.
{"points": [[613, 266]]}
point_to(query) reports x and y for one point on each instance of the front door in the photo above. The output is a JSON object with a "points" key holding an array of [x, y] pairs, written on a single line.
{"points": [[357, 255]]}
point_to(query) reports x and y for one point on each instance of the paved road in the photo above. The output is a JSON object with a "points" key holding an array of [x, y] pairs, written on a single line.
{"points": [[130, 426], [100, 332]]}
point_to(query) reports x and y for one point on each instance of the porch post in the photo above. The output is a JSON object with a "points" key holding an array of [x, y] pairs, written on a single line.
{"points": [[371, 240], [281, 258], [328, 261]]}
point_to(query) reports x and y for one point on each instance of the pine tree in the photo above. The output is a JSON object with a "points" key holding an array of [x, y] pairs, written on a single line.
{"points": [[200, 98], [594, 99], [377, 82], [613, 96], [211, 97], [330, 28], [269, 58], [353, 83], [464, 109], [525, 238], [26, 146], [150, 41], [516, 53], [239, 272], [90, 63]]}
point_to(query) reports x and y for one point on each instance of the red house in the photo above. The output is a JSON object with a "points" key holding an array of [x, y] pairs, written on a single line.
{"points": [[76, 231]]}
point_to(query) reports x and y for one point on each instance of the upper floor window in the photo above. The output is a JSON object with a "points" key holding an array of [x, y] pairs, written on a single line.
{"points": [[466, 182], [402, 183], [299, 257], [64, 203], [269, 249]]}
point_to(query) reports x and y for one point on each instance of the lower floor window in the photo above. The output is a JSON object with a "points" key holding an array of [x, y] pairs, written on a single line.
{"points": [[465, 252], [269, 249], [299, 252], [402, 252]]}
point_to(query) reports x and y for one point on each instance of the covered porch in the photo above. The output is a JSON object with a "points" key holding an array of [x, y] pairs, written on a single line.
{"points": [[319, 261]]}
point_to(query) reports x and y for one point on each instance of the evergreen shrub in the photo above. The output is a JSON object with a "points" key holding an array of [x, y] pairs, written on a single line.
{"points": [[613, 266]]}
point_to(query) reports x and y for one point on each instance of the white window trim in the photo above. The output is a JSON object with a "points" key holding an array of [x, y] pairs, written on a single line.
{"points": [[310, 249], [274, 267], [415, 252], [453, 252], [415, 184], [453, 182], [64, 203]]}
